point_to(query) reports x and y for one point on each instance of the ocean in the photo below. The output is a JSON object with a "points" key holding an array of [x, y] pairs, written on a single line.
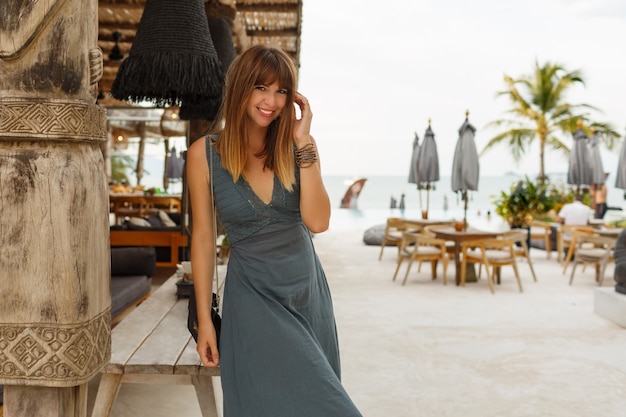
{"points": [[373, 204]]}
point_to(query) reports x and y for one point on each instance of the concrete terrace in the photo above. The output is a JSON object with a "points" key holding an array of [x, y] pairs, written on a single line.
{"points": [[430, 350]]}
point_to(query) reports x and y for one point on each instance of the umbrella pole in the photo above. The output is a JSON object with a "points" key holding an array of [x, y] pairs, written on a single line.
{"points": [[166, 180], [419, 190], [425, 214], [465, 211]]}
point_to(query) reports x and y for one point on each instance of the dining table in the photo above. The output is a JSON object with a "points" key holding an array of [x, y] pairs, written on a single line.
{"points": [[458, 237], [419, 224], [143, 204], [610, 232]]}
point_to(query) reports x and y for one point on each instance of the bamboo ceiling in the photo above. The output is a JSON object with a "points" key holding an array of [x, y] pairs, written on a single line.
{"points": [[253, 22]]}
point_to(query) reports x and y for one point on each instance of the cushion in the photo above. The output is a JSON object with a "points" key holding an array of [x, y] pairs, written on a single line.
{"points": [[139, 260], [138, 221], [374, 235], [423, 250], [126, 290], [154, 220], [166, 220], [498, 255]]}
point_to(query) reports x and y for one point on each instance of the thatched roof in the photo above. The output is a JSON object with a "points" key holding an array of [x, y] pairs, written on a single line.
{"points": [[273, 22]]}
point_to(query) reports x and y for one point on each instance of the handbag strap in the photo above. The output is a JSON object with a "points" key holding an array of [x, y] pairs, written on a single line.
{"points": [[216, 299]]}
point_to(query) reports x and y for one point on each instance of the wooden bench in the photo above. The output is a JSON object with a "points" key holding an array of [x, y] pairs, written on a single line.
{"points": [[173, 239], [153, 346]]}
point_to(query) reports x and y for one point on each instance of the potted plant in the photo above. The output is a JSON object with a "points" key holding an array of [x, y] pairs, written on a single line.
{"points": [[524, 201]]}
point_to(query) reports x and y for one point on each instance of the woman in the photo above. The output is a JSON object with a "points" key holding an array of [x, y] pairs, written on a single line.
{"points": [[278, 345]]}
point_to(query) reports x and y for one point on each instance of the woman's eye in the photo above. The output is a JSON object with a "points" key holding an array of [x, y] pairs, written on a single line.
{"points": [[260, 87], [282, 91]]}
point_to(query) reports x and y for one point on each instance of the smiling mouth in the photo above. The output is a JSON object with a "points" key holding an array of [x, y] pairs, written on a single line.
{"points": [[265, 112]]}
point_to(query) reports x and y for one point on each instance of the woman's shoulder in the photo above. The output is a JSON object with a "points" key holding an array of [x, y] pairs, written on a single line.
{"points": [[197, 150]]}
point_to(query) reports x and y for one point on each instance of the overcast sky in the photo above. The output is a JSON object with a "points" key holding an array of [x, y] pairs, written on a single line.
{"points": [[376, 71]]}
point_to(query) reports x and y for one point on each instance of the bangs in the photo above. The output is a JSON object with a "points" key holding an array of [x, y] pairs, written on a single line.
{"points": [[272, 70]]}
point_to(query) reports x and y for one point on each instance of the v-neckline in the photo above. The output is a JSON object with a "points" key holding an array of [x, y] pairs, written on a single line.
{"points": [[254, 193]]}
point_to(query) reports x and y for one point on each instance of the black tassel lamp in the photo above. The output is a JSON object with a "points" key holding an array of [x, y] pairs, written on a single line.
{"points": [[222, 37], [172, 59]]}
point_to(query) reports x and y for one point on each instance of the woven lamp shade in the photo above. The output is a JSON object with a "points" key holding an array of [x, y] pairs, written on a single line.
{"points": [[171, 125], [222, 37], [172, 59], [119, 138]]}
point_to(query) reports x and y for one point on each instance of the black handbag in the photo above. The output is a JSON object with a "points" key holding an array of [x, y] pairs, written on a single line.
{"points": [[192, 315]]}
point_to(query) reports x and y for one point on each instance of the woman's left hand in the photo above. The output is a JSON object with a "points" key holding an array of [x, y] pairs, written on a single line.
{"points": [[302, 126]]}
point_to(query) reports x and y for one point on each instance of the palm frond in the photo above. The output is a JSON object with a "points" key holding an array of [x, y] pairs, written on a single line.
{"points": [[517, 139], [556, 144]]}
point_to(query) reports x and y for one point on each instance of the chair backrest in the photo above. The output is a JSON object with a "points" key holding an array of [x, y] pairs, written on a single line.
{"points": [[429, 230], [603, 241], [518, 235], [428, 240], [570, 230], [396, 223], [520, 238], [418, 239], [498, 242]]}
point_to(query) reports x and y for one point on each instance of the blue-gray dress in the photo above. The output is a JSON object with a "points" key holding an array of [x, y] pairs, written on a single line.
{"points": [[279, 355]]}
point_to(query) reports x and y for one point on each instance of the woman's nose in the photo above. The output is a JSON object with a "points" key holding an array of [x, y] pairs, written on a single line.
{"points": [[269, 99]]}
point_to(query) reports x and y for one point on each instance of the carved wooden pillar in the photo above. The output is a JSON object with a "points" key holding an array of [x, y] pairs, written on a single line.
{"points": [[54, 235]]}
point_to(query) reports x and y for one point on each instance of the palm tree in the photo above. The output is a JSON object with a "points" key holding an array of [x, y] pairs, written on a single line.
{"points": [[120, 165], [539, 112]]}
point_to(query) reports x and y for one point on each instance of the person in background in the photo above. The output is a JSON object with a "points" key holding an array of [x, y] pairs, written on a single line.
{"points": [[599, 198], [278, 349], [575, 213]]}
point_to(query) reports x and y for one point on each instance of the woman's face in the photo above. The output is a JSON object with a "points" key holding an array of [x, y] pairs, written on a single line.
{"points": [[266, 103]]}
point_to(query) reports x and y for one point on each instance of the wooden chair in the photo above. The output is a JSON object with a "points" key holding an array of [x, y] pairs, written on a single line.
{"points": [[393, 234], [420, 247], [599, 253], [130, 206], [429, 230], [564, 237], [521, 248], [540, 230], [576, 232], [168, 204], [494, 253]]}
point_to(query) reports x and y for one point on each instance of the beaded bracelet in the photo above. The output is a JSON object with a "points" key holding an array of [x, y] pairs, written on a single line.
{"points": [[306, 156]]}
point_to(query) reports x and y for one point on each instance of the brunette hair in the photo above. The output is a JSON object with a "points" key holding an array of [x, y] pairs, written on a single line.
{"points": [[258, 65]]}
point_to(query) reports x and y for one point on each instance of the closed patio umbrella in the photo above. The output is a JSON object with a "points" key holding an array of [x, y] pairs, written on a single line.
{"points": [[413, 171], [174, 166], [413, 166], [620, 177], [579, 169], [465, 167], [597, 170], [427, 166]]}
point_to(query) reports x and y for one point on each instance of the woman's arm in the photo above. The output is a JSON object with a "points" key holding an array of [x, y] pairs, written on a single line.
{"points": [[314, 200], [202, 248]]}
